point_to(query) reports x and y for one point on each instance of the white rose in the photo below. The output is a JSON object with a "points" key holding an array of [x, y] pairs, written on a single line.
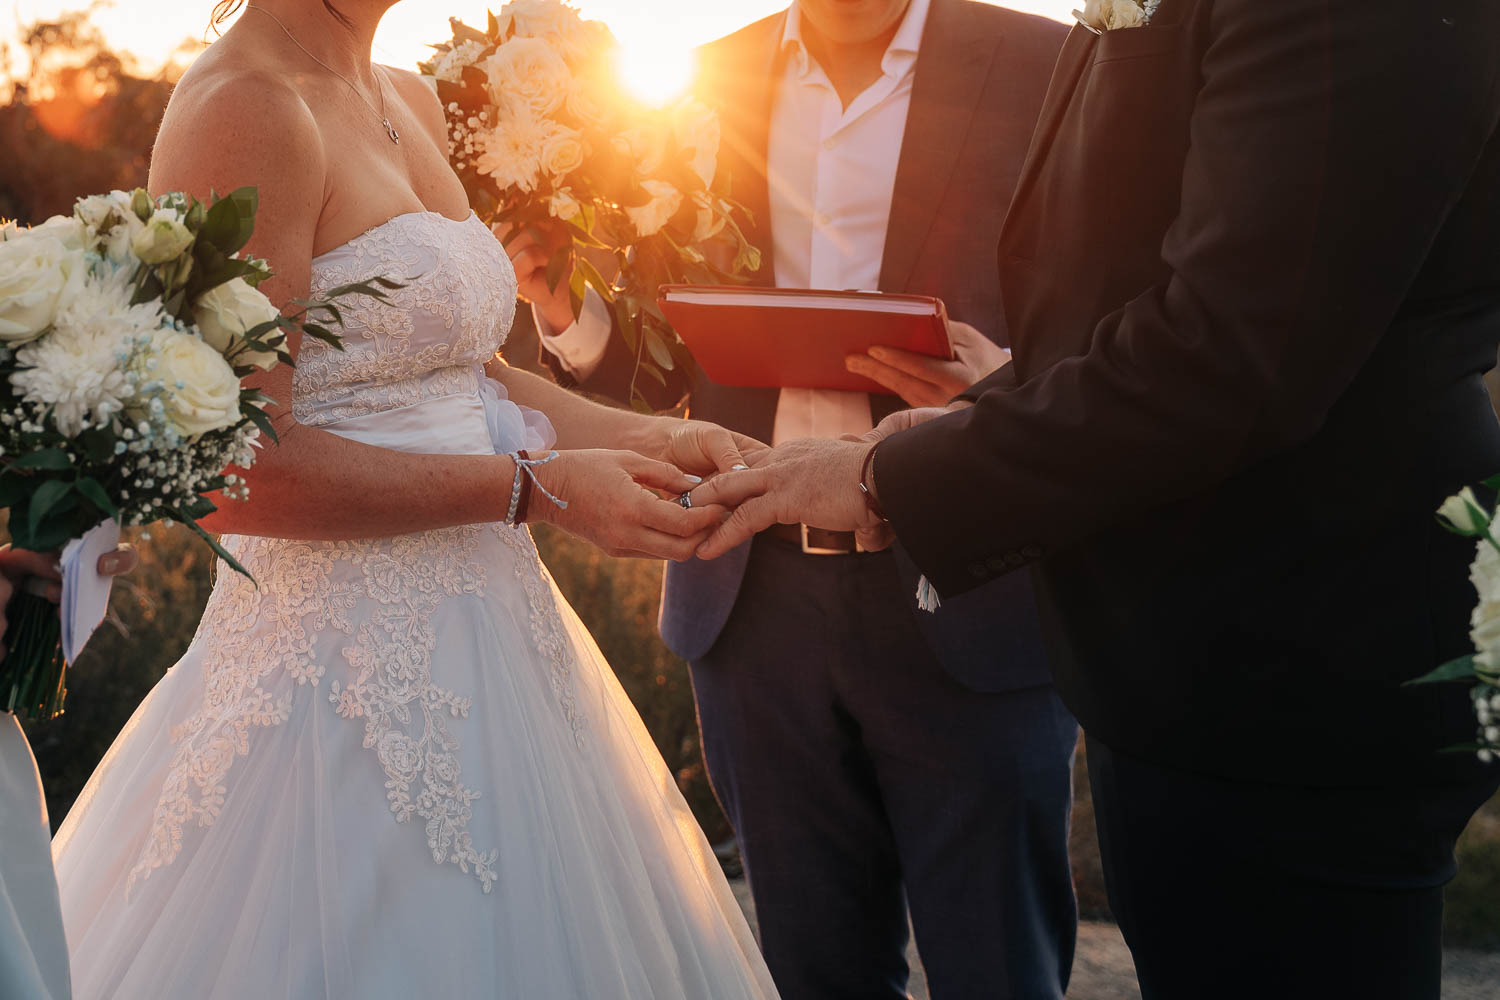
{"points": [[664, 203], [511, 152], [562, 153], [112, 222], [562, 205], [529, 72], [560, 25], [696, 127], [1463, 512], [227, 312], [162, 239], [202, 393], [38, 275], [584, 104], [66, 230]]}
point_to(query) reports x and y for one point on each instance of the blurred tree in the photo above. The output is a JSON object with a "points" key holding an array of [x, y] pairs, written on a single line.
{"points": [[80, 118]]}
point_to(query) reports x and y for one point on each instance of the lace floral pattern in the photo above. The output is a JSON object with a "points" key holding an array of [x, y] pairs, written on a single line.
{"points": [[253, 636], [453, 312]]}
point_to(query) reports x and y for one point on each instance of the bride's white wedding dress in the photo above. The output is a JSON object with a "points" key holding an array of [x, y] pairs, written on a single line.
{"points": [[399, 767]]}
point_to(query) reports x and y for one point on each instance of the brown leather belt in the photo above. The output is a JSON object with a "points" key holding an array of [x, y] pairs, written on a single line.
{"points": [[815, 541]]}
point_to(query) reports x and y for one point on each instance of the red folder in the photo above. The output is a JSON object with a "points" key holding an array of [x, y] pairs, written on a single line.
{"points": [[798, 337]]}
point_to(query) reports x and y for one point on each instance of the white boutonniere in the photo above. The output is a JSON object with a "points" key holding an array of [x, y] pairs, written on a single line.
{"points": [[1100, 16]]}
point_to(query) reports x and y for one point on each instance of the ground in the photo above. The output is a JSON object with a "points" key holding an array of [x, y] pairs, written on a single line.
{"points": [[1102, 969]]}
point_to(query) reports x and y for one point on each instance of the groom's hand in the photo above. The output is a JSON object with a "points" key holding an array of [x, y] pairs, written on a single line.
{"points": [[924, 381], [812, 482]]}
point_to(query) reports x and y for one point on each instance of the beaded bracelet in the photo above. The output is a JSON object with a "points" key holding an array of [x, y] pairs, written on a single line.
{"points": [[526, 470]]}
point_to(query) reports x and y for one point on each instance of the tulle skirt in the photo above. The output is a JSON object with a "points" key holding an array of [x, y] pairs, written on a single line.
{"points": [[396, 768]]}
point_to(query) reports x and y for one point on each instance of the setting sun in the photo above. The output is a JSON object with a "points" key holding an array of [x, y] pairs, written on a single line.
{"points": [[656, 75]]}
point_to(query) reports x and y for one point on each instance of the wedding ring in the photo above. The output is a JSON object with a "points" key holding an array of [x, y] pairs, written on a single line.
{"points": [[686, 500]]}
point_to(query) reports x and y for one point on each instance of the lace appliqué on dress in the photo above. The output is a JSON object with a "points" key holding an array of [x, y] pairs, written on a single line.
{"points": [[392, 690], [254, 634]]}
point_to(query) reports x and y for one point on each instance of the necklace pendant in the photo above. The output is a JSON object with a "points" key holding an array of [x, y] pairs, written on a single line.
{"points": [[391, 131]]}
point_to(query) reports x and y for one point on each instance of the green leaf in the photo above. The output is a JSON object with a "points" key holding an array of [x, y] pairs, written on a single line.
{"points": [[1461, 669], [230, 221], [658, 349], [44, 501], [259, 419], [595, 279], [463, 33], [13, 488], [182, 517], [96, 495], [50, 459]]}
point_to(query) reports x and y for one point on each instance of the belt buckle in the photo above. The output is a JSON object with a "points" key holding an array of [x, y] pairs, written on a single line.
{"points": [[812, 550]]}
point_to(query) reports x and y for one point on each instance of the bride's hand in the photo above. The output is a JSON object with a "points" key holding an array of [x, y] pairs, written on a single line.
{"points": [[614, 503], [702, 448]]}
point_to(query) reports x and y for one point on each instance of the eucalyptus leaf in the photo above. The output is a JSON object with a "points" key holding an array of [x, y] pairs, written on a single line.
{"points": [[1461, 669]]}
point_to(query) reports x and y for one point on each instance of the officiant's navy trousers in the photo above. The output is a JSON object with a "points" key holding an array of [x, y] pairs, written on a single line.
{"points": [[853, 766]]}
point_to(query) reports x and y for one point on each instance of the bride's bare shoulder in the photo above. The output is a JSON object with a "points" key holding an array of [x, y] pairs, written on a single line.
{"points": [[230, 115]]}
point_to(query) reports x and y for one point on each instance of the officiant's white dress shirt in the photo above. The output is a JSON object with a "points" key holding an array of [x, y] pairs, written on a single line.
{"points": [[832, 172]]}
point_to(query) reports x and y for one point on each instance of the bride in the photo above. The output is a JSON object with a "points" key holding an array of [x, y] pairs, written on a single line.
{"points": [[396, 764]]}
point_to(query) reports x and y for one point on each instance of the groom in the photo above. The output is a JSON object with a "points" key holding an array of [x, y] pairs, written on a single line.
{"points": [[1252, 279], [868, 756]]}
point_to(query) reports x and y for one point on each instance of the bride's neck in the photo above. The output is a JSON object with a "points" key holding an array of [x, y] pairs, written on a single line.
{"points": [[344, 43]]}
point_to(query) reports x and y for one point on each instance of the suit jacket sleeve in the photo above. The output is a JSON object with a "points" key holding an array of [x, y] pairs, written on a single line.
{"points": [[1329, 141]]}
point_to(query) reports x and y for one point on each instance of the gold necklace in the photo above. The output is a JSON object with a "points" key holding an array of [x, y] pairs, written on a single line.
{"points": [[390, 129]]}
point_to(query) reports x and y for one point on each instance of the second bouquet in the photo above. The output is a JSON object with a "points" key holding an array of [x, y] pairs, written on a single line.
{"points": [[544, 136]]}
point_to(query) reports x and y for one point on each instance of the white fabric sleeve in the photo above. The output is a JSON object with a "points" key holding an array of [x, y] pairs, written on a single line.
{"points": [[581, 346]]}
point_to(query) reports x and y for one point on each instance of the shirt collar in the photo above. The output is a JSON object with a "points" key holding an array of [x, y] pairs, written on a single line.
{"points": [[900, 56]]}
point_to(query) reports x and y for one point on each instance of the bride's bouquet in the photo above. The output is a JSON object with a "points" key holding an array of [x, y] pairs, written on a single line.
{"points": [[125, 330], [542, 134], [1464, 515]]}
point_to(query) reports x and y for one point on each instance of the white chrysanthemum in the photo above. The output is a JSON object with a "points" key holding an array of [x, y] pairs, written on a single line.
{"points": [[449, 66], [511, 152], [80, 368]]}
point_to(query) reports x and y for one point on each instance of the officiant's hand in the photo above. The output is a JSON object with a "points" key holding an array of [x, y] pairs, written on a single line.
{"points": [[615, 501], [530, 257], [813, 482], [922, 380]]}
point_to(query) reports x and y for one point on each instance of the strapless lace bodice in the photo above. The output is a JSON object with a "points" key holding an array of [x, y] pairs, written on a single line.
{"points": [[452, 315]]}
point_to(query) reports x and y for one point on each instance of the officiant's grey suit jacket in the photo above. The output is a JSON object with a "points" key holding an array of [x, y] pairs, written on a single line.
{"points": [[981, 75]]}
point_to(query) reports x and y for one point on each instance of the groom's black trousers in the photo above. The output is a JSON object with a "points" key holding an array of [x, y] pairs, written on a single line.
{"points": [[1230, 890]]}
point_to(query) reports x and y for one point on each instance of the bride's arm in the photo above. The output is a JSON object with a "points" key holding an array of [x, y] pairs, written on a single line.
{"points": [[580, 422], [316, 485]]}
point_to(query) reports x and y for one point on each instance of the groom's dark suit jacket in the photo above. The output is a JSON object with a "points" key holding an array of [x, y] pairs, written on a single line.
{"points": [[1252, 279], [980, 77]]}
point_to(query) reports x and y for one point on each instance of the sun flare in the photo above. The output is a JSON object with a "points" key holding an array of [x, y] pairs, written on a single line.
{"points": [[656, 73]]}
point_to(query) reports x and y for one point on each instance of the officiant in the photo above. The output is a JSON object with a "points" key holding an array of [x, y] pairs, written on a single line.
{"points": [[869, 757]]}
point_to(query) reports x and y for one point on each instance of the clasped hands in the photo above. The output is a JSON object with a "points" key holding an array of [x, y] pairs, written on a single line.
{"points": [[628, 502]]}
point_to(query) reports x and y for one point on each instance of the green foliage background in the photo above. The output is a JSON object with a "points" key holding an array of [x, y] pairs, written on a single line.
{"points": [[155, 611]]}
